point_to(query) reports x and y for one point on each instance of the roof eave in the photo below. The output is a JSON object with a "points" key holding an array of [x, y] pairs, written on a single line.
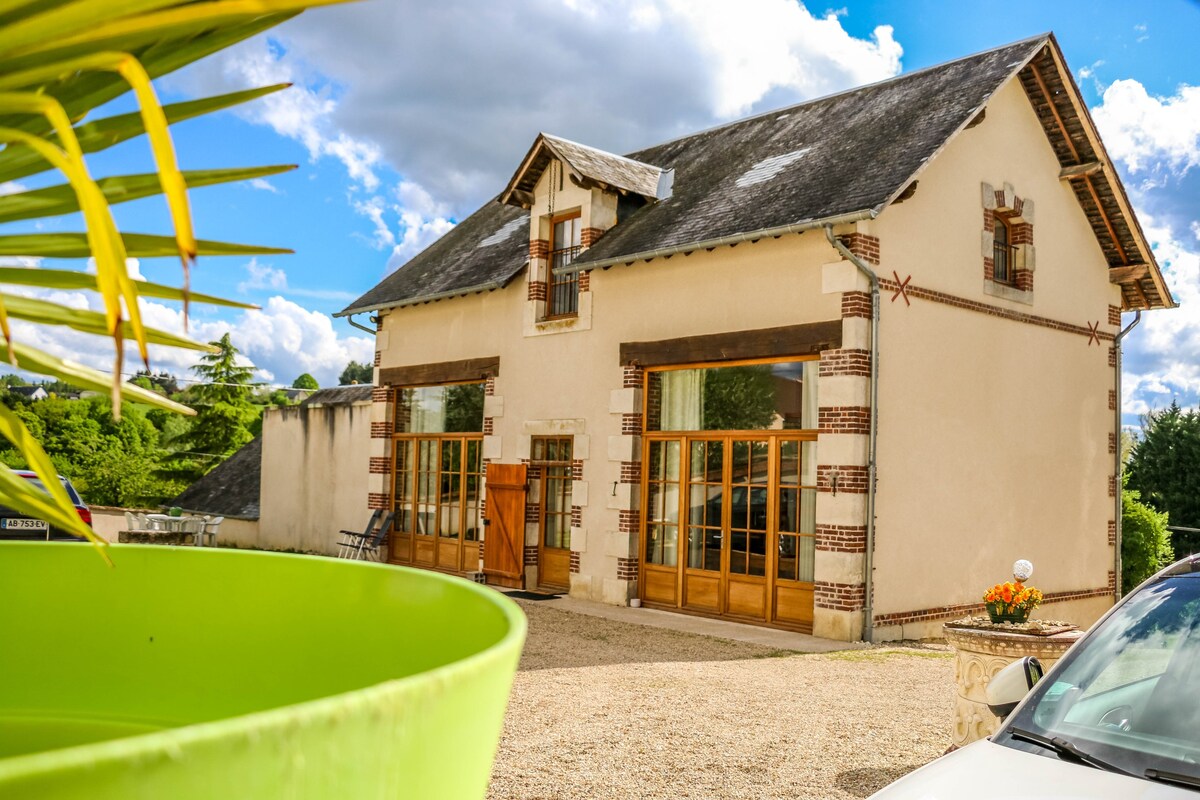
{"points": [[429, 298]]}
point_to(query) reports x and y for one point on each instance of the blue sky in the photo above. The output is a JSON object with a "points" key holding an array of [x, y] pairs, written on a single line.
{"points": [[406, 116]]}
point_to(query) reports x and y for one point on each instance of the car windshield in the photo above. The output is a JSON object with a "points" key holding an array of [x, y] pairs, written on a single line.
{"points": [[1128, 693], [36, 481]]}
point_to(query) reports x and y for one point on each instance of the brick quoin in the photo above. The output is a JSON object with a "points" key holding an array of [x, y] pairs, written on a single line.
{"points": [[537, 290], [574, 563], [531, 555], [1112, 532], [379, 466], [864, 246], [381, 430], [844, 419], [631, 424], [585, 280], [1112, 443], [629, 520], [631, 472], [381, 394], [1112, 486], [588, 236], [839, 596], [539, 248], [489, 426], [856, 304], [577, 469], [489, 387], [1112, 399], [845, 362], [842, 538], [531, 513], [1114, 316], [1112, 356], [576, 516], [851, 479], [947, 612], [377, 500], [378, 357], [631, 377], [627, 569]]}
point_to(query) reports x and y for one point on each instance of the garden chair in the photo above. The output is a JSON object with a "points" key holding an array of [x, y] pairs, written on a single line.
{"points": [[373, 544], [209, 530], [348, 546]]}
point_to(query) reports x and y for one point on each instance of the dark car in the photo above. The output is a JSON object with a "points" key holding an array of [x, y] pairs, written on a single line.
{"points": [[17, 526]]}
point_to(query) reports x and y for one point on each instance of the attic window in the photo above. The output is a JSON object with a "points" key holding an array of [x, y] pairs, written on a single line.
{"points": [[768, 168], [563, 299]]}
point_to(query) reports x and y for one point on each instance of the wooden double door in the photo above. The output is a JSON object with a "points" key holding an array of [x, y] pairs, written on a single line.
{"points": [[729, 525], [436, 493]]}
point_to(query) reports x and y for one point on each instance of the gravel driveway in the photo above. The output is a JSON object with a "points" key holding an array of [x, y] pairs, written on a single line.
{"points": [[607, 709]]}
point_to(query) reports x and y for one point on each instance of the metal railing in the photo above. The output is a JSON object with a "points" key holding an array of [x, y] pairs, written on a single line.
{"points": [[563, 296]]}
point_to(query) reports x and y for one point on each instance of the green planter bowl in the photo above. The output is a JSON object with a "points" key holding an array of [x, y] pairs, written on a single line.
{"points": [[208, 673]]}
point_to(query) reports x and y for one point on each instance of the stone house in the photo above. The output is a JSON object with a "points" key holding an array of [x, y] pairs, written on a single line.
{"points": [[830, 368]]}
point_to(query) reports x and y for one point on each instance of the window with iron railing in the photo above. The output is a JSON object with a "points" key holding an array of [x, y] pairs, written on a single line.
{"points": [[563, 296], [1003, 254]]}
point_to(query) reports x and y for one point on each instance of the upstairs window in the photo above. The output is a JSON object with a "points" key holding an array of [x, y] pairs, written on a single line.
{"points": [[563, 295], [1003, 253]]}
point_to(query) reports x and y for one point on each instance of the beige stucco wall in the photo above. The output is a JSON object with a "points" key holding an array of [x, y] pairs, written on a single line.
{"points": [[314, 476], [993, 440]]}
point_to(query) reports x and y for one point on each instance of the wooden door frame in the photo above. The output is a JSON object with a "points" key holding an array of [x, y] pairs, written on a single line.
{"points": [[461, 439], [541, 506]]}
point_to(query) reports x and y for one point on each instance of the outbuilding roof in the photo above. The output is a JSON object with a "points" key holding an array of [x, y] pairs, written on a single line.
{"points": [[825, 161], [231, 489]]}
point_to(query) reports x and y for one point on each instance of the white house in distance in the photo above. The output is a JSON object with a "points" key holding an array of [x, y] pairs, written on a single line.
{"points": [[664, 367]]}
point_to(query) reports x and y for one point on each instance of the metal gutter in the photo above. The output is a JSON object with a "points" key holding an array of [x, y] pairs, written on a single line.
{"points": [[1117, 565], [868, 629], [645, 255], [425, 298], [360, 326]]}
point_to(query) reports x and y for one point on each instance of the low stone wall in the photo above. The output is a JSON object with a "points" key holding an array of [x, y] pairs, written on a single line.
{"points": [[110, 522]]}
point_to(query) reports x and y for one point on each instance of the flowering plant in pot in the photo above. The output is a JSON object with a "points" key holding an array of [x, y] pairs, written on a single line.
{"points": [[1013, 601]]}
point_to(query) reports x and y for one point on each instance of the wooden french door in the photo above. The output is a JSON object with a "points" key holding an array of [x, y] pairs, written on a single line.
{"points": [[730, 521], [438, 484], [552, 460]]}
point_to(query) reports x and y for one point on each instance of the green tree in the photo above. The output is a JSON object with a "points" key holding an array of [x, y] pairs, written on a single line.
{"points": [[225, 416], [306, 381], [1145, 540], [464, 408], [356, 373], [1164, 468]]}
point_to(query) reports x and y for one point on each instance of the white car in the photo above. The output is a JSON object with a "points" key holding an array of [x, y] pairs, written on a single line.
{"points": [[1117, 717]]}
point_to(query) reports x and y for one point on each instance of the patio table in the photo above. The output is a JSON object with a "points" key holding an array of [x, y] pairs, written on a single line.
{"points": [[176, 524]]}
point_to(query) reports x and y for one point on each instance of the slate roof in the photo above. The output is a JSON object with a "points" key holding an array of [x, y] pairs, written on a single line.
{"points": [[840, 157], [340, 395], [588, 164], [232, 489]]}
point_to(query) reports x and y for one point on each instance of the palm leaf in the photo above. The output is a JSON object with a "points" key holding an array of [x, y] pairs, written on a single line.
{"points": [[56, 200], [137, 245], [48, 313], [70, 280], [19, 162]]}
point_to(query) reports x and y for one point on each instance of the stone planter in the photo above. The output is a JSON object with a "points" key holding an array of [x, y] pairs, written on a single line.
{"points": [[196, 673], [979, 653]]}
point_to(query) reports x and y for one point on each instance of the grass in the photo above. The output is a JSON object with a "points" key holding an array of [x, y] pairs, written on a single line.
{"points": [[883, 654]]}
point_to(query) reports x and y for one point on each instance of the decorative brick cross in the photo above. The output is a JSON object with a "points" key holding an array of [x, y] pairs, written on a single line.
{"points": [[1094, 333], [902, 291]]}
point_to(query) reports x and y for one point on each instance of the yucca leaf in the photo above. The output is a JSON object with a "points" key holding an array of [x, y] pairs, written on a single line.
{"points": [[19, 162], [71, 18], [137, 245], [81, 94], [134, 31], [69, 280], [52, 504], [48, 313], [33, 360], [56, 200]]}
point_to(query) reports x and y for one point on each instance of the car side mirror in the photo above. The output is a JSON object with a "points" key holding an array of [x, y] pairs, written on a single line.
{"points": [[1011, 684]]}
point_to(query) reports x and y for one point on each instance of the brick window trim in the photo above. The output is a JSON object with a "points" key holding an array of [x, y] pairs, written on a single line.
{"points": [[1003, 207]]}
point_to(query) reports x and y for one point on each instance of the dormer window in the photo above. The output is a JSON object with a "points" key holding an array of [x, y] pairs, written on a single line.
{"points": [[563, 297]]}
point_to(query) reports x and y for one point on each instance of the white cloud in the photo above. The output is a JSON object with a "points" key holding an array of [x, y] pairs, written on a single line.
{"points": [[264, 185], [1162, 355], [133, 267], [1148, 133], [262, 276], [11, 187], [374, 208]]}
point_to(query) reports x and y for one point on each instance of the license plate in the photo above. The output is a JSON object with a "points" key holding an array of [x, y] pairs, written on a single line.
{"points": [[17, 524]]}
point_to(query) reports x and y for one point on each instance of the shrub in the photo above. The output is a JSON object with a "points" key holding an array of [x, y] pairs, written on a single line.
{"points": [[1145, 540]]}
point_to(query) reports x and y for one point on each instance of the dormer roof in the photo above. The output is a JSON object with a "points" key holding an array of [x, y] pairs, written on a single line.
{"points": [[587, 167]]}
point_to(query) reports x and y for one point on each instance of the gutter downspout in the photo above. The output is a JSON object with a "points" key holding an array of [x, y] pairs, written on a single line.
{"points": [[868, 629], [361, 327], [1117, 565]]}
